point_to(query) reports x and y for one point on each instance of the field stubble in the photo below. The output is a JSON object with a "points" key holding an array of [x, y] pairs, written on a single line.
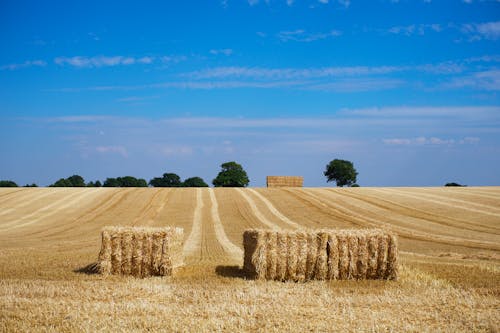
{"points": [[449, 274]]}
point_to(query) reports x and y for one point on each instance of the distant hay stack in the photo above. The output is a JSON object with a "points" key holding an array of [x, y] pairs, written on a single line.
{"points": [[284, 181], [320, 255], [140, 251]]}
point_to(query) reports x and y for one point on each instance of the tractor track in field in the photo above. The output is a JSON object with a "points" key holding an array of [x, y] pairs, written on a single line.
{"points": [[275, 211], [192, 245], [368, 222], [50, 210], [256, 211], [392, 206], [458, 204], [229, 247]]}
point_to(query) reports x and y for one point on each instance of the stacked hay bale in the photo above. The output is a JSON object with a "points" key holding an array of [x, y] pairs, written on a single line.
{"points": [[320, 255], [284, 181], [140, 251]]}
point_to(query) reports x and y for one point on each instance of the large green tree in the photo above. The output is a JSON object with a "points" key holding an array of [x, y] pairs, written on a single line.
{"points": [[231, 175], [341, 171]]}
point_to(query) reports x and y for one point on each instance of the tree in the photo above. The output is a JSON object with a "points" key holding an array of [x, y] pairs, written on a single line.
{"points": [[168, 180], [194, 182], [61, 183], [127, 181], [111, 182], [341, 171], [76, 181], [73, 181], [231, 175], [454, 184], [92, 184], [7, 183], [32, 185]]}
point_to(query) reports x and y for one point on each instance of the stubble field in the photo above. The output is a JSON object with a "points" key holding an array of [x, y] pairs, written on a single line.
{"points": [[449, 240]]}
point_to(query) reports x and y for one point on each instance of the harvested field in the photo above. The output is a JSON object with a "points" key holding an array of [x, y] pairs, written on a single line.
{"points": [[449, 260], [284, 181]]}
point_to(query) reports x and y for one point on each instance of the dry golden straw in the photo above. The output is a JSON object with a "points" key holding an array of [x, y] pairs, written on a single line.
{"points": [[284, 181], [320, 255], [140, 251]]}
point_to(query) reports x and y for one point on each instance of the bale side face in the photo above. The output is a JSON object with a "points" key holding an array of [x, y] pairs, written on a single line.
{"points": [[320, 255], [284, 181], [140, 252]]}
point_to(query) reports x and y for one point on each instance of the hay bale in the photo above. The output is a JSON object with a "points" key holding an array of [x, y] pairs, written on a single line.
{"points": [[343, 256], [281, 256], [284, 181], [104, 257], [332, 251], [323, 254], [292, 256], [362, 262], [312, 255], [321, 269], [371, 272], [127, 248], [272, 255], [382, 255], [140, 252], [137, 239], [116, 253], [391, 272], [302, 250]]}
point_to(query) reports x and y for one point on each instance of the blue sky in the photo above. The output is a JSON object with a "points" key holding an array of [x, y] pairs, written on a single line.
{"points": [[406, 90]]}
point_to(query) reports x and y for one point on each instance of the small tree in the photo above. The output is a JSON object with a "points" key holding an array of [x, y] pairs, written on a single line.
{"points": [[194, 182], [341, 171], [168, 180], [7, 183], [73, 181], [231, 175], [454, 184]]}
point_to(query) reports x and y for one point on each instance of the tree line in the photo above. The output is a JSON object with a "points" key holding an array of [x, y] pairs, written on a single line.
{"points": [[232, 174]]}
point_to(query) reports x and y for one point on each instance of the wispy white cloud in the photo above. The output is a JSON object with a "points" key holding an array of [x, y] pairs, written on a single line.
{"points": [[226, 52], [291, 73], [110, 61], [300, 35], [433, 141], [415, 29], [484, 80], [28, 63], [480, 31], [120, 150]]}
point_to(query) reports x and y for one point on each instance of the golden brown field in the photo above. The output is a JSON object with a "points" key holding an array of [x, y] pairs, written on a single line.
{"points": [[449, 255]]}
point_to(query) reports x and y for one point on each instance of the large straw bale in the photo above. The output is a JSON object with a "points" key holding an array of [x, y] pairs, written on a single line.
{"points": [[137, 238], [343, 256], [362, 263], [116, 253], [382, 255], [284, 181], [272, 255], [332, 252], [282, 256], [140, 251], [105, 254], [391, 272], [292, 257], [372, 256], [321, 268], [127, 248], [320, 254], [302, 250]]}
